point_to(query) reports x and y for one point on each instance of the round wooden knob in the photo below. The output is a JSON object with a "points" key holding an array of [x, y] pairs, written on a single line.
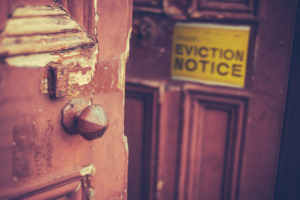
{"points": [[92, 122]]}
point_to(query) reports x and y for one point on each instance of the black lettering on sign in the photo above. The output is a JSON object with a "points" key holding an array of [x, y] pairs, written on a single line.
{"points": [[221, 52], [212, 67], [219, 71], [188, 50], [192, 66], [239, 55], [178, 63], [178, 49], [214, 51], [204, 62], [235, 69], [200, 52], [195, 51], [228, 54]]}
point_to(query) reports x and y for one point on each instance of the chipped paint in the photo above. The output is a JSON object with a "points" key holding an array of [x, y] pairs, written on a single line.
{"points": [[40, 25], [94, 59], [126, 144], [44, 83], [32, 61], [43, 50], [78, 187], [96, 51], [89, 170], [43, 59], [96, 15], [28, 33], [122, 63], [38, 11], [79, 78], [71, 58], [17, 45]]}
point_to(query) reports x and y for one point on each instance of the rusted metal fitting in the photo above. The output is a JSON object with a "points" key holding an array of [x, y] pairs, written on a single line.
{"points": [[58, 80], [90, 122]]}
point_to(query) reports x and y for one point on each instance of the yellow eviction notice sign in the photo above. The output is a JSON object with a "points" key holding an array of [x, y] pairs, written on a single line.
{"points": [[211, 54]]}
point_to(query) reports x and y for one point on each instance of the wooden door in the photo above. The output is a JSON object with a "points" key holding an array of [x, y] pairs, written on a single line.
{"points": [[57, 56], [191, 140]]}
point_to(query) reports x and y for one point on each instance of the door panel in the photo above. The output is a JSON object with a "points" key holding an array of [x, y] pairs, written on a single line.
{"points": [[237, 10], [211, 145], [247, 122], [224, 5], [141, 130], [134, 131]]}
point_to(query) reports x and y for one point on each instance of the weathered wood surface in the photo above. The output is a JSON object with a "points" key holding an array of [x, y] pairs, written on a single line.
{"points": [[36, 152]]}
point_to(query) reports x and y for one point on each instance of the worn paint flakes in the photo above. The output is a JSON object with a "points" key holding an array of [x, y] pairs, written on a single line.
{"points": [[94, 59], [32, 61], [126, 144], [36, 34], [17, 45], [40, 25], [69, 58], [44, 83], [122, 63], [89, 170], [79, 78], [96, 15], [38, 11], [78, 187]]}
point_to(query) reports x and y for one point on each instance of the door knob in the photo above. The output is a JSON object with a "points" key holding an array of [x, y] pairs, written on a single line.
{"points": [[90, 121]]}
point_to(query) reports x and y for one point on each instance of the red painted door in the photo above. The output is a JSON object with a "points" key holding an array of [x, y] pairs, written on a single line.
{"points": [[60, 60], [191, 140]]}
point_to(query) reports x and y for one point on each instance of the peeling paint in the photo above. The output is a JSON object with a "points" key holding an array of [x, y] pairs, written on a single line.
{"points": [[32, 61], [96, 15], [79, 78], [71, 58], [94, 59], [78, 187], [89, 170], [126, 144], [39, 25], [44, 83], [122, 65], [75, 50], [38, 11], [16, 45], [96, 50]]}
